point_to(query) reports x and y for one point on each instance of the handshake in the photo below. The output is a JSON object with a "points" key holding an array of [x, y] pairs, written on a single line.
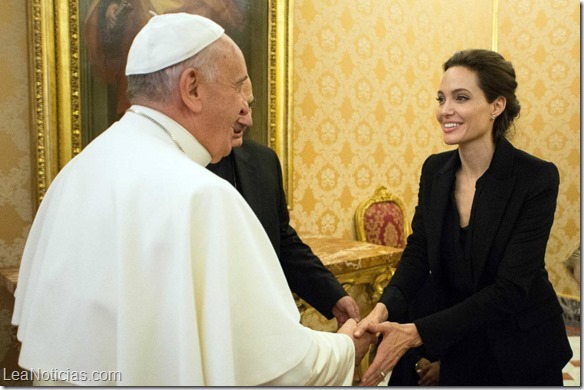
{"points": [[397, 339]]}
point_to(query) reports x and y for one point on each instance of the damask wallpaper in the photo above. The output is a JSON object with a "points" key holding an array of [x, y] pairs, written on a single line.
{"points": [[364, 88], [15, 165], [543, 40]]}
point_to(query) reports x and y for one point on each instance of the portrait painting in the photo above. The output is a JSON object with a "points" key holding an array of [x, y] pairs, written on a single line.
{"points": [[109, 27]]}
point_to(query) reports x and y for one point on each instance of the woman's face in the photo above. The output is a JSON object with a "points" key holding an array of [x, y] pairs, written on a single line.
{"points": [[463, 111]]}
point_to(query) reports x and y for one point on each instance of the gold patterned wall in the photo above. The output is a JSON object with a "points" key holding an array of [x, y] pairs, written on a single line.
{"points": [[365, 76], [543, 40], [15, 168], [15, 165]]}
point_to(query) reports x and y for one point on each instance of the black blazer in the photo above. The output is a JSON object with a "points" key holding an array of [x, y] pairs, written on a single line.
{"points": [[259, 179], [513, 300]]}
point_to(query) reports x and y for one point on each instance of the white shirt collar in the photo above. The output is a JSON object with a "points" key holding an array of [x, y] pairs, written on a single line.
{"points": [[191, 146]]}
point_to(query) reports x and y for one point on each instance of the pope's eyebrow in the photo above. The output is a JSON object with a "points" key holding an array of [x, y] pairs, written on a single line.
{"points": [[240, 81]]}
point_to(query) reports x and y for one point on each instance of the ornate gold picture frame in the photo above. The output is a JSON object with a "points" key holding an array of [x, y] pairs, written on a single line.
{"points": [[60, 89]]}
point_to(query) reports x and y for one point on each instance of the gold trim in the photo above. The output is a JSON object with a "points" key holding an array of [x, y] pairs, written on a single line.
{"points": [[280, 87], [495, 37], [42, 76], [569, 296], [380, 195], [69, 87]]}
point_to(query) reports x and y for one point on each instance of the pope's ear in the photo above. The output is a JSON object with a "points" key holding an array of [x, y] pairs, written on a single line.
{"points": [[190, 89]]}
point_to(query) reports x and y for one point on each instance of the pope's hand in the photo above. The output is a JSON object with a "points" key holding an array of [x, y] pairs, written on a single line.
{"points": [[362, 344]]}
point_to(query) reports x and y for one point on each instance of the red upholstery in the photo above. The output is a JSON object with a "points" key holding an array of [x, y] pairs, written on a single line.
{"points": [[384, 224]]}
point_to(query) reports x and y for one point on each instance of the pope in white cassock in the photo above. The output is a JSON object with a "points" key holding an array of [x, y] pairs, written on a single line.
{"points": [[141, 261]]}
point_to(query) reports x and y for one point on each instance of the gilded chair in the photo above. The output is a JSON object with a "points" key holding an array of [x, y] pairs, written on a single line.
{"points": [[381, 219]]}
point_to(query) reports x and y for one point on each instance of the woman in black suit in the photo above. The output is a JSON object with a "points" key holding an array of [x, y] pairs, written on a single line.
{"points": [[479, 237]]}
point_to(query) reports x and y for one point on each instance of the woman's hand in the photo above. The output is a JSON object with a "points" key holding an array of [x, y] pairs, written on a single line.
{"points": [[376, 316], [397, 339]]}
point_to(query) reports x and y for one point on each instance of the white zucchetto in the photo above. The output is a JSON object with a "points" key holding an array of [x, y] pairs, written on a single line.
{"points": [[169, 39]]}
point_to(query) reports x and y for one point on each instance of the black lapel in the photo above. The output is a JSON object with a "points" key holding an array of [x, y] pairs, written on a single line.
{"points": [[439, 197], [493, 191], [247, 178]]}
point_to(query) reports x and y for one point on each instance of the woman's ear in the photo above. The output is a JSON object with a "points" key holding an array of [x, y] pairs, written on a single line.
{"points": [[499, 105], [190, 89]]}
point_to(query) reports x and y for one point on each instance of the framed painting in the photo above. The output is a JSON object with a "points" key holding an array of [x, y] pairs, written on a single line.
{"points": [[78, 51]]}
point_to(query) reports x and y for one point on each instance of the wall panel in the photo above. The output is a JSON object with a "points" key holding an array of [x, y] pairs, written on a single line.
{"points": [[365, 81]]}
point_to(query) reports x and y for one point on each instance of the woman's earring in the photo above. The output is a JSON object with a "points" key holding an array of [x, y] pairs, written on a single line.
{"points": [[493, 117]]}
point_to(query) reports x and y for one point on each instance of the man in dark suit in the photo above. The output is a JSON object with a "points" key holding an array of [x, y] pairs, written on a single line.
{"points": [[255, 171]]}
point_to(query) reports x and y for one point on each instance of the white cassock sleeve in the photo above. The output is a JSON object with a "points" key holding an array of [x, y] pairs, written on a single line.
{"points": [[269, 331], [157, 269], [324, 361]]}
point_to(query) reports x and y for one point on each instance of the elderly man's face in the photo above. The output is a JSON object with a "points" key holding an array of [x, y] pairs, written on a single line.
{"points": [[245, 118], [225, 103]]}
